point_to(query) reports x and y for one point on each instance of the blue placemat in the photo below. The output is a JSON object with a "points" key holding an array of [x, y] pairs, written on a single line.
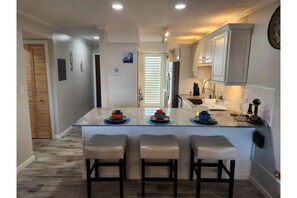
{"points": [[203, 123], [116, 123], [148, 120]]}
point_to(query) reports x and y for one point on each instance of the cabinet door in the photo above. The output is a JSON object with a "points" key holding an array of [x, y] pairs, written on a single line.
{"points": [[219, 57], [195, 62], [207, 51], [177, 54], [201, 52]]}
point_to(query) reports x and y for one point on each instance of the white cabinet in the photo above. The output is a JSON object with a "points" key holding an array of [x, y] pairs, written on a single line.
{"points": [[231, 48], [205, 52], [219, 57], [194, 60], [177, 53], [201, 57]]}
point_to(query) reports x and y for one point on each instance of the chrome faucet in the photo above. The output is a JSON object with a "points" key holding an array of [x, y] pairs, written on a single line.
{"points": [[212, 90]]}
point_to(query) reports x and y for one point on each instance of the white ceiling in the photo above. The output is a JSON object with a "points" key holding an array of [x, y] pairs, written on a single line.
{"points": [[82, 17]]}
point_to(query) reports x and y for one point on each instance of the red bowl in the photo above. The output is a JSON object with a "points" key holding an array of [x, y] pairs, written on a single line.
{"points": [[117, 116]]}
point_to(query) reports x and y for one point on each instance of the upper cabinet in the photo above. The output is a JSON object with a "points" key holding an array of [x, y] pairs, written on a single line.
{"points": [[227, 51], [201, 55], [219, 57], [177, 53], [231, 49], [204, 50]]}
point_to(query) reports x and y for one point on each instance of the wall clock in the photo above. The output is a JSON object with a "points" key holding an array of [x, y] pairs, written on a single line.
{"points": [[273, 31]]}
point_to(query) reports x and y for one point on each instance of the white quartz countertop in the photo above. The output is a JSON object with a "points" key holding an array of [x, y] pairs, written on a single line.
{"points": [[138, 117]]}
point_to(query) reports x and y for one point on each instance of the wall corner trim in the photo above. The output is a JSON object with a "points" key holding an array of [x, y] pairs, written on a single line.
{"points": [[26, 163], [260, 187], [59, 136]]}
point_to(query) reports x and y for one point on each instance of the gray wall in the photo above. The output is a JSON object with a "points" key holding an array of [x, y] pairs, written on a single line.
{"points": [[71, 98], [264, 70], [24, 141], [74, 95]]}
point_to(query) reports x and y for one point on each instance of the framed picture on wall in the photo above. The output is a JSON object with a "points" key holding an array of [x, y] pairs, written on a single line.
{"points": [[115, 71], [128, 57]]}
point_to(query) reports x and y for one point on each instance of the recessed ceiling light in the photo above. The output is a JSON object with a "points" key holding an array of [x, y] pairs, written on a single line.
{"points": [[96, 37], [166, 34], [117, 6], [180, 6]]}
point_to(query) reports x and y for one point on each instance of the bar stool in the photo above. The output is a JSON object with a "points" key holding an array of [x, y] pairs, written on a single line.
{"points": [[216, 148], [163, 147], [105, 147]]}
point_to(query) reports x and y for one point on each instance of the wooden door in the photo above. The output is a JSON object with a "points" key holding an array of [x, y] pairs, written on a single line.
{"points": [[37, 91]]}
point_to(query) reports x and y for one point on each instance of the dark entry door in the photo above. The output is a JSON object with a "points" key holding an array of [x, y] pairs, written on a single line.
{"points": [[98, 81]]}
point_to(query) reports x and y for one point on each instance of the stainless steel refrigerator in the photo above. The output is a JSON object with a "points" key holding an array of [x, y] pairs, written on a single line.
{"points": [[175, 103]]}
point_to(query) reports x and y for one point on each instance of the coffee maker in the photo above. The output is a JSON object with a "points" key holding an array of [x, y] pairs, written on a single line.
{"points": [[196, 91]]}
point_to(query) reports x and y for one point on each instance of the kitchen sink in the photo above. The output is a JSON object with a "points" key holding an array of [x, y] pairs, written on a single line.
{"points": [[195, 101]]}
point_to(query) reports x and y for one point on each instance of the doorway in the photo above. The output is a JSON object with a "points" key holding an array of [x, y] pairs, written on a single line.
{"points": [[36, 75], [98, 81], [151, 79]]}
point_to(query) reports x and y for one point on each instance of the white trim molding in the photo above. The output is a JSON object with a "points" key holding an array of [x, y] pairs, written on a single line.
{"points": [[260, 187], [26, 163], [59, 136]]}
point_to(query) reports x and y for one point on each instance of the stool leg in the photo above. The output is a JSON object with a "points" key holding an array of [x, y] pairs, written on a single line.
{"points": [[88, 164], [198, 186], [231, 181], [171, 169], [121, 168], [142, 177], [175, 178], [191, 164], [96, 168], [125, 166], [220, 167]]}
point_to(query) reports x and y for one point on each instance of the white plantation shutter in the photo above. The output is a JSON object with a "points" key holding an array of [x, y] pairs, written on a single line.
{"points": [[152, 80]]}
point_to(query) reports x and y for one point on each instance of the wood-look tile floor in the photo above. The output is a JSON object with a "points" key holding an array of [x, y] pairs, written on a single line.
{"points": [[57, 173]]}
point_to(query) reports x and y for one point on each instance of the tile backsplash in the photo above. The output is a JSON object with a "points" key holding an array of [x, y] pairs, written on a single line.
{"points": [[239, 97], [266, 96]]}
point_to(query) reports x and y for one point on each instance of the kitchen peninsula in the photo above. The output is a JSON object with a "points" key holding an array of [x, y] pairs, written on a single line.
{"points": [[239, 133]]}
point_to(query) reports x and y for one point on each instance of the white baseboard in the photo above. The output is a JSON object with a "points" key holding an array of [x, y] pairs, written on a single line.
{"points": [[63, 133], [260, 187], [26, 163]]}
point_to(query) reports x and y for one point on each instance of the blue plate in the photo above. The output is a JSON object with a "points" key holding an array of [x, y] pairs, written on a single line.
{"points": [[150, 121], [116, 121], [210, 121]]}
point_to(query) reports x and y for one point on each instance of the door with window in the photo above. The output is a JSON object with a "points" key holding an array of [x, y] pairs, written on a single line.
{"points": [[37, 91], [150, 80]]}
